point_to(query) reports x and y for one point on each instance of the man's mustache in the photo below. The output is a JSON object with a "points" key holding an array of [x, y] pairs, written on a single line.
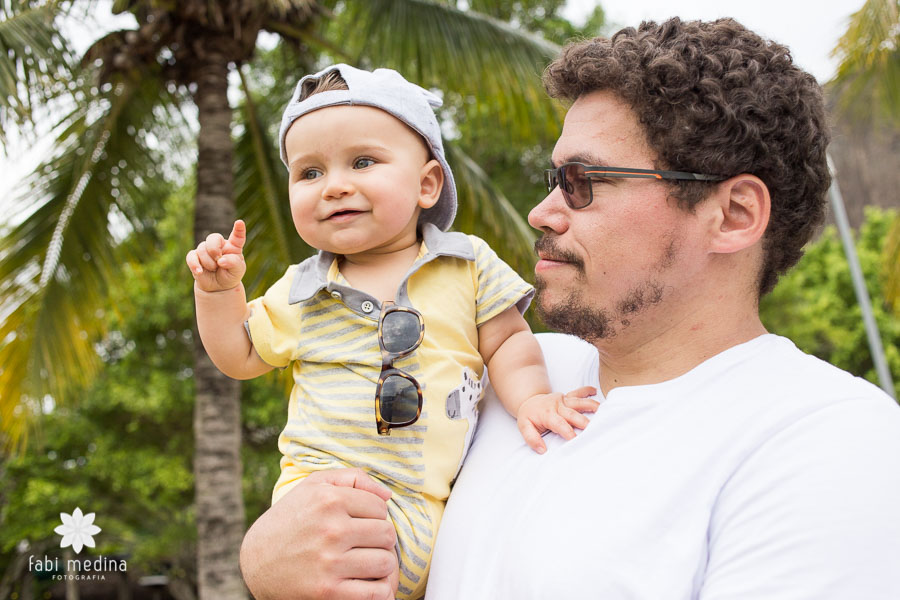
{"points": [[547, 247]]}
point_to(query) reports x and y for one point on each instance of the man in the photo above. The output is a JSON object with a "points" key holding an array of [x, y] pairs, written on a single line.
{"points": [[722, 462]]}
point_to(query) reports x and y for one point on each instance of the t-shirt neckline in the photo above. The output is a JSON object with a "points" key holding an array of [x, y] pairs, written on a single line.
{"points": [[714, 364]]}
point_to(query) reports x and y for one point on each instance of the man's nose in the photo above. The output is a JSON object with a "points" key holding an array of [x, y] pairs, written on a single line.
{"points": [[551, 213]]}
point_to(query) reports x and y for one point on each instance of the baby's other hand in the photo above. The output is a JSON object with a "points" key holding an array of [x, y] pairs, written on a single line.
{"points": [[218, 264], [555, 412]]}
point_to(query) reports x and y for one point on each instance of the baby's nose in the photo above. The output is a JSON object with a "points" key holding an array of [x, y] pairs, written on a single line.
{"points": [[337, 186]]}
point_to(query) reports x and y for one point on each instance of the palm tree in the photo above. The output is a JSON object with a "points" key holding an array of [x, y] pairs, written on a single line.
{"points": [[35, 61], [90, 207], [868, 76], [868, 88]]}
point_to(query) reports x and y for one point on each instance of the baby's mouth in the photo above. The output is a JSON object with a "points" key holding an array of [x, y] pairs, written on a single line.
{"points": [[343, 215]]}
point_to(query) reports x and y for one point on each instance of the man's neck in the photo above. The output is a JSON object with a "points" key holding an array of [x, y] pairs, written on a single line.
{"points": [[652, 353]]}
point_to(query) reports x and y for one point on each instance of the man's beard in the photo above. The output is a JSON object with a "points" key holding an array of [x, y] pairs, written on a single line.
{"points": [[576, 316]]}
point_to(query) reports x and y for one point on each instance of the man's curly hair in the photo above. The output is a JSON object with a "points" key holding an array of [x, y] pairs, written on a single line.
{"points": [[714, 97]]}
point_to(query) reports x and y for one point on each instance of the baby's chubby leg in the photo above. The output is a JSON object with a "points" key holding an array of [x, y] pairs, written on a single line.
{"points": [[416, 519]]}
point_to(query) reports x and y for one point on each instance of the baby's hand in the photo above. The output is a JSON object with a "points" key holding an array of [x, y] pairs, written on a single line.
{"points": [[218, 264], [555, 412]]}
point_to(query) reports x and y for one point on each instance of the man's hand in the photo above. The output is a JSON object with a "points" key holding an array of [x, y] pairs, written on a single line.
{"points": [[329, 537], [218, 264], [555, 412]]}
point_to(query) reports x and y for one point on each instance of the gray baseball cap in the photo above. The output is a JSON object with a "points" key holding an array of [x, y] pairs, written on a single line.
{"points": [[388, 90]]}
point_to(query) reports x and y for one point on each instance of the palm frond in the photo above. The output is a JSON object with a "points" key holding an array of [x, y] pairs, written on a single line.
{"points": [[285, 7], [59, 261], [260, 183], [491, 64], [891, 262], [484, 211], [868, 77], [33, 60]]}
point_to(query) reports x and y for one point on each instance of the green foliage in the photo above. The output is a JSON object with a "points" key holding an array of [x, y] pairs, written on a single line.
{"points": [[57, 262], [543, 16], [892, 267], [123, 446], [123, 141], [34, 61], [816, 307], [868, 77]]}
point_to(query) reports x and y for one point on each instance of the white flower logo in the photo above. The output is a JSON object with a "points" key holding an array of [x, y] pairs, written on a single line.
{"points": [[77, 530]]}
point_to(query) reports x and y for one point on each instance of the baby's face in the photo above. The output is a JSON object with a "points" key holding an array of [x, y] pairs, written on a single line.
{"points": [[358, 180]]}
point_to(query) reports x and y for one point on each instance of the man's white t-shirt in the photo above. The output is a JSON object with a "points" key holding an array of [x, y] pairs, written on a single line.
{"points": [[763, 473]]}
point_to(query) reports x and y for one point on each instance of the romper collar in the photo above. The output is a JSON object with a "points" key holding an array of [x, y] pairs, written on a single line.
{"points": [[312, 274]]}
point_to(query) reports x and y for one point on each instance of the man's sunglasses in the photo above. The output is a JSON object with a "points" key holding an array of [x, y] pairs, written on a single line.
{"points": [[574, 179], [398, 397]]}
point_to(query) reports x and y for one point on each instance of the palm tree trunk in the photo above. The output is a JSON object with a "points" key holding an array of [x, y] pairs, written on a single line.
{"points": [[217, 413]]}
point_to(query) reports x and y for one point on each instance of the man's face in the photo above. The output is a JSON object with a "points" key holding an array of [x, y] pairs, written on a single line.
{"points": [[623, 261]]}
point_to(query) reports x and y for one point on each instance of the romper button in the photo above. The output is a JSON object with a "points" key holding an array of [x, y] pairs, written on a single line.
{"points": [[367, 307], [336, 295]]}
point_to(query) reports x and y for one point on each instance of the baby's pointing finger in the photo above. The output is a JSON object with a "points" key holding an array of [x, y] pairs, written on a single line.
{"points": [[238, 236]]}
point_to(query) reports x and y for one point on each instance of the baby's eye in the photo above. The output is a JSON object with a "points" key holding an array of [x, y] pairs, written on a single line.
{"points": [[362, 163], [310, 174]]}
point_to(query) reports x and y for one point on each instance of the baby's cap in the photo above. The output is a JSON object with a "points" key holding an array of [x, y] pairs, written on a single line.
{"points": [[388, 90]]}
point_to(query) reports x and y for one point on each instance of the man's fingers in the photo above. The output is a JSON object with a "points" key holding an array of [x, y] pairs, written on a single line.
{"points": [[372, 533], [532, 437], [238, 236], [360, 504], [367, 563], [355, 478], [360, 589]]}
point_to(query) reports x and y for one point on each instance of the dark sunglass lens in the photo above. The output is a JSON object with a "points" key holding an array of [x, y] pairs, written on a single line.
{"points": [[399, 400], [578, 185], [400, 331]]}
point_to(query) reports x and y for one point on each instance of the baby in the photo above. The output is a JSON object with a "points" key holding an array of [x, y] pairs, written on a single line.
{"points": [[390, 325]]}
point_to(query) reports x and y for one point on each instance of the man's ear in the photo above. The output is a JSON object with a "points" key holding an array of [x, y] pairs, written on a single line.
{"points": [[431, 181], [738, 214]]}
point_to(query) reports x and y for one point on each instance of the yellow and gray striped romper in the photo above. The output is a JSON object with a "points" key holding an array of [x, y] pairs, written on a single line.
{"points": [[312, 318]]}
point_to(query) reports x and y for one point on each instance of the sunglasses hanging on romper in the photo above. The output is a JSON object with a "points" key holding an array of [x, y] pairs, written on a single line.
{"points": [[398, 397]]}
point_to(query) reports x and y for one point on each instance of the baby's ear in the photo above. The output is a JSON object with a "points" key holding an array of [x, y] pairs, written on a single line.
{"points": [[431, 182]]}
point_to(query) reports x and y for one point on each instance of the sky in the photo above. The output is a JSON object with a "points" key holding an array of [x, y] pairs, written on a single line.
{"points": [[809, 29], [810, 34]]}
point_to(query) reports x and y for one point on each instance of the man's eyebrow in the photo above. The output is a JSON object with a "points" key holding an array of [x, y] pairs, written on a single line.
{"points": [[585, 159]]}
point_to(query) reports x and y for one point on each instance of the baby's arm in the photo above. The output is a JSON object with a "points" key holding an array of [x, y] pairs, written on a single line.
{"points": [[218, 266], [519, 376]]}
